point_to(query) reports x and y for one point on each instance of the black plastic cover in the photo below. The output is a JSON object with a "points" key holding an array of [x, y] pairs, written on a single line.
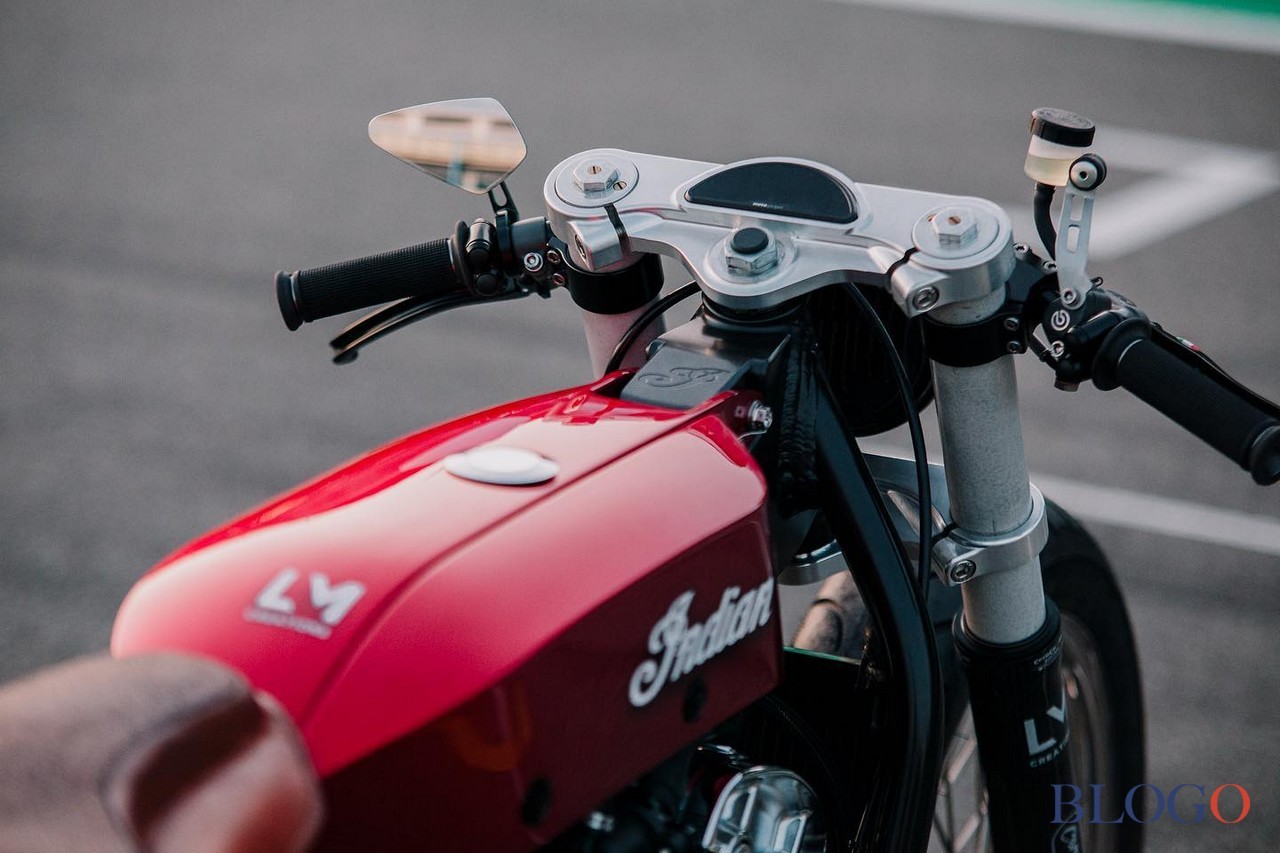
{"points": [[1066, 128], [779, 188], [616, 292]]}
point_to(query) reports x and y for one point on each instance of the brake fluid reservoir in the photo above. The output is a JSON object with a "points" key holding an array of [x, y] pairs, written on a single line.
{"points": [[1058, 137]]}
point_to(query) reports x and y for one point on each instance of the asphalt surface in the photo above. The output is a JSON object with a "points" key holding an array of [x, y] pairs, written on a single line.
{"points": [[158, 161]]}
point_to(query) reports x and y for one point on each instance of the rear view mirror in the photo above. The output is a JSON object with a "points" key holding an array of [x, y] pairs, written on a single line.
{"points": [[470, 143]]}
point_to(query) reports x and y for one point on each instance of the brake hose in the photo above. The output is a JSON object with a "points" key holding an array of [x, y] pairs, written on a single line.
{"points": [[917, 435]]}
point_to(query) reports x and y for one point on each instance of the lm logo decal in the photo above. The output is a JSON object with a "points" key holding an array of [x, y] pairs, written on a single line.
{"points": [[330, 602]]}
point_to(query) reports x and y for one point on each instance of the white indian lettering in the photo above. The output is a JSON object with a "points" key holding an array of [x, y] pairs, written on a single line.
{"points": [[678, 647]]}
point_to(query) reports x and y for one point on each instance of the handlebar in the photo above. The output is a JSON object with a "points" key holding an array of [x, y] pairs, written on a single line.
{"points": [[1191, 391], [428, 269]]}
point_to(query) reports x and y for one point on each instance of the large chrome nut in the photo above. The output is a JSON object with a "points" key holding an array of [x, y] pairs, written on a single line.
{"points": [[746, 259], [954, 227], [594, 175]]}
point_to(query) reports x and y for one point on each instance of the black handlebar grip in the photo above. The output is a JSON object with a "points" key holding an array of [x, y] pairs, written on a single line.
{"points": [[1212, 412], [422, 270]]}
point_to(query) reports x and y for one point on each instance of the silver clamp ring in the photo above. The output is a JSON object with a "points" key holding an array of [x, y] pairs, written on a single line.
{"points": [[964, 555]]}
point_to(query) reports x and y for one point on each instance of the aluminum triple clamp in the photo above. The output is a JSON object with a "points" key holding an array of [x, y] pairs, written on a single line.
{"points": [[963, 555]]}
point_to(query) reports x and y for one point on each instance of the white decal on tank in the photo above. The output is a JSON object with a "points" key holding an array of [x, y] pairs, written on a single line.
{"points": [[678, 647], [330, 602]]}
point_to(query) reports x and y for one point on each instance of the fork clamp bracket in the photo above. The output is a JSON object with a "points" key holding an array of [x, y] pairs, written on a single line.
{"points": [[1008, 330], [963, 555]]}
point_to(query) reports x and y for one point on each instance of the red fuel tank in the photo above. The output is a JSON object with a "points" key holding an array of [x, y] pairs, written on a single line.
{"points": [[483, 661]]}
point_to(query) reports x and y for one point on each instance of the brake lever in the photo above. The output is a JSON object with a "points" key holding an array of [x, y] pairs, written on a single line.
{"points": [[379, 324]]}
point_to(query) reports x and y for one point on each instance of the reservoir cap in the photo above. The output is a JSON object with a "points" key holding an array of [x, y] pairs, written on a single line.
{"points": [[1065, 128]]}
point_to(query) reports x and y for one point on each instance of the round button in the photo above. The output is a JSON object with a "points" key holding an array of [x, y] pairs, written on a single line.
{"points": [[501, 466], [749, 241]]}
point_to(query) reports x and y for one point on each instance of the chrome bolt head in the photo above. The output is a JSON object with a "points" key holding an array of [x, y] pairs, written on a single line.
{"points": [[924, 298], [754, 263], [600, 822], [760, 416], [955, 226], [594, 176], [532, 262], [963, 571]]}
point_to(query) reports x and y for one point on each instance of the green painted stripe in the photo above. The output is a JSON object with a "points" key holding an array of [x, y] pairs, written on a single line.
{"points": [[1245, 25], [1250, 7]]}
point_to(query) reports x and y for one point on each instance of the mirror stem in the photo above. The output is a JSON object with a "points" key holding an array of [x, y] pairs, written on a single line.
{"points": [[506, 204]]}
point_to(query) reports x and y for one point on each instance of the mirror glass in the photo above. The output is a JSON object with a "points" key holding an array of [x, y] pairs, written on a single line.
{"points": [[470, 143]]}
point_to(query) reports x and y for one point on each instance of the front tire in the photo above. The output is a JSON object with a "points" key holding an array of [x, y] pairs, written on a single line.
{"points": [[1100, 675]]}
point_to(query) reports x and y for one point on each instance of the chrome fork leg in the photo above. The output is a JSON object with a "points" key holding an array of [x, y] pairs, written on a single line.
{"points": [[989, 490], [1009, 638]]}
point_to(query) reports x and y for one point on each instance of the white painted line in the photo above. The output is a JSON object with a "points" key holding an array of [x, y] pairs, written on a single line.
{"points": [[1138, 511], [1189, 183], [1166, 22], [1179, 519]]}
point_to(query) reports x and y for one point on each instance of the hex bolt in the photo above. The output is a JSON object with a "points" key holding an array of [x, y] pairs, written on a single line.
{"points": [[558, 279], [593, 176], [1070, 297], [553, 257], [1015, 347], [1021, 248], [533, 262], [751, 251], [963, 571], [1012, 324], [954, 227], [924, 298], [1049, 266], [760, 416]]}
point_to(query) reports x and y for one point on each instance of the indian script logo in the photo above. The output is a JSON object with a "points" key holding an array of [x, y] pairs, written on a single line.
{"points": [[679, 648]]}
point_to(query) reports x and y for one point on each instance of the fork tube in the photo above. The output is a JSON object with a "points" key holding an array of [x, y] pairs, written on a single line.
{"points": [[989, 490], [1009, 638], [604, 331], [611, 302]]}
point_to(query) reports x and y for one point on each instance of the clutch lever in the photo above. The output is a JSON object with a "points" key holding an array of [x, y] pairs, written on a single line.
{"points": [[379, 324]]}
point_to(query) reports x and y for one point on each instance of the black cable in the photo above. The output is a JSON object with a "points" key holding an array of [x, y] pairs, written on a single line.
{"points": [[642, 322], [1040, 203], [917, 436]]}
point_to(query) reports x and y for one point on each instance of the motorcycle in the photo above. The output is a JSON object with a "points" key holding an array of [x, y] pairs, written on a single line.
{"points": [[554, 623]]}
